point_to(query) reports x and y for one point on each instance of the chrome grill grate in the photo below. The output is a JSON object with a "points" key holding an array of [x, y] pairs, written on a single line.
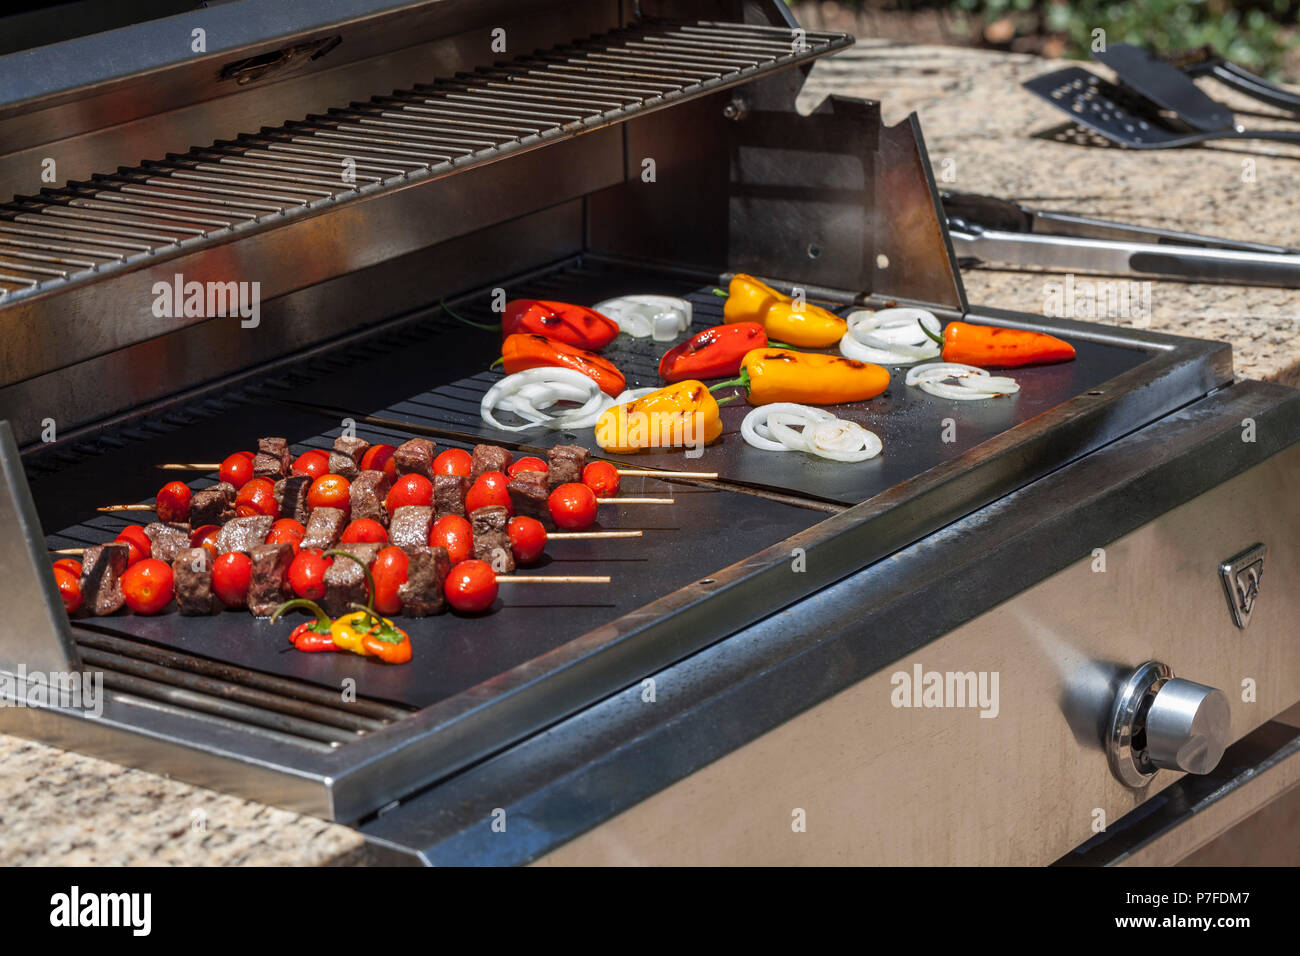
{"points": [[258, 180]]}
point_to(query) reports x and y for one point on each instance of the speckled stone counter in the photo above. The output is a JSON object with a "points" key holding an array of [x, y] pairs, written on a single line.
{"points": [[987, 135]]}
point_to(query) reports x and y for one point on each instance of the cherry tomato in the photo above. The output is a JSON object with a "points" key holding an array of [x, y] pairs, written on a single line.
{"points": [[205, 537], [527, 464], [289, 524], [330, 491], [527, 538], [135, 538], [364, 530], [471, 586], [257, 497], [285, 536], [307, 573], [453, 461], [455, 534], [172, 503], [602, 478], [380, 458], [147, 586], [237, 469], [573, 506], [409, 490], [313, 464], [389, 572], [231, 574], [71, 565], [69, 588], [489, 490]]}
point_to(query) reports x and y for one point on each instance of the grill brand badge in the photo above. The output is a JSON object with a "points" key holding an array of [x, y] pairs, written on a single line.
{"points": [[1241, 576]]}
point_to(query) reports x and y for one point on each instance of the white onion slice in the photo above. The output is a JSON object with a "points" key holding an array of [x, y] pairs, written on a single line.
{"points": [[960, 382], [773, 428], [574, 419], [529, 394], [662, 317], [890, 336]]}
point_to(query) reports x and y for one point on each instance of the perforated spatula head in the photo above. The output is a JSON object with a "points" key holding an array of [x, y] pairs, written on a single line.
{"points": [[1165, 85], [1116, 113]]}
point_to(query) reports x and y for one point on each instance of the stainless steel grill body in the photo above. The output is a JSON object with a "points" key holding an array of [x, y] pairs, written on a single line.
{"points": [[607, 148]]}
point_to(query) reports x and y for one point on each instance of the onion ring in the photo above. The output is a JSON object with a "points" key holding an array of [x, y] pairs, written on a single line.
{"points": [[890, 336], [773, 428], [530, 393], [971, 383]]}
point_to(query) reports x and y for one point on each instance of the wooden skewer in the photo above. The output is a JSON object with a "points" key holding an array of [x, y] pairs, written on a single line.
{"points": [[69, 551], [126, 508], [582, 535], [553, 579], [625, 472], [635, 501]]}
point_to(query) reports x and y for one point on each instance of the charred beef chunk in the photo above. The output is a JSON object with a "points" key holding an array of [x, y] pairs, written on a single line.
{"points": [[415, 457], [449, 493], [422, 592], [215, 505], [276, 448], [491, 542], [268, 586], [489, 458], [341, 464], [102, 566], [324, 528], [345, 581], [369, 489], [168, 539], [244, 534], [192, 574], [354, 448], [410, 527], [268, 466], [291, 496], [565, 464], [529, 491]]}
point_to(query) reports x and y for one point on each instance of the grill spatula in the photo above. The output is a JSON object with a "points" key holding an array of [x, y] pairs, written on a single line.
{"points": [[1126, 118]]}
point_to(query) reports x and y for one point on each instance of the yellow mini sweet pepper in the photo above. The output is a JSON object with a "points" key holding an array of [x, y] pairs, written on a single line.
{"points": [[783, 318], [363, 633], [807, 378], [681, 415]]}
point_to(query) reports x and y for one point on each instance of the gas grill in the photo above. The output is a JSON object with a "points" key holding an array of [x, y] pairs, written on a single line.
{"points": [[1089, 552]]}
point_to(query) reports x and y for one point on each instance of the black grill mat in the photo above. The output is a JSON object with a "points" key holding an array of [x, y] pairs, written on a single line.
{"points": [[706, 530], [913, 425]]}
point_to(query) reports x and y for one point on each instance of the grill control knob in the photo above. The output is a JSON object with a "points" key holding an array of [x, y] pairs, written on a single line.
{"points": [[1161, 721], [1187, 726]]}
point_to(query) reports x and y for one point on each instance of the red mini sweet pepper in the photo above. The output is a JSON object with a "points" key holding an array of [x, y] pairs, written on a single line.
{"points": [[713, 353], [574, 325]]}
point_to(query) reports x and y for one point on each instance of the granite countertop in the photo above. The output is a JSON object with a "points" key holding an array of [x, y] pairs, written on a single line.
{"points": [[980, 127], [993, 137]]}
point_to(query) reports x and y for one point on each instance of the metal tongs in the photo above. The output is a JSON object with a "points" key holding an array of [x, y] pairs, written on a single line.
{"points": [[987, 229]]}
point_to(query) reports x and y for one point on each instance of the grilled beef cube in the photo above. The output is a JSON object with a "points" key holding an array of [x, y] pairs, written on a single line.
{"points": [[244, 534], [341, 464], [529, 491], [422, 592], [491, 542], [410, 527], [168, 539], [354, 448], [489, 458], [415, 457], [345, 581], [565, 464], [269, 466], [192, 574], [449, 493], [102, 566], [276, 448], [215, 505], [324, 528], [291, 496], [369, 489], [268, 586]]}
